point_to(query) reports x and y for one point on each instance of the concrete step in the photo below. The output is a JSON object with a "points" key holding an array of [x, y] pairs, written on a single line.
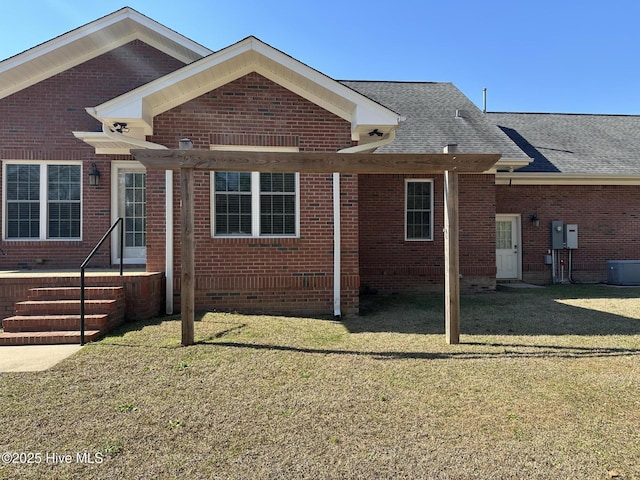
{"points": [[45, 323], [47, 338]]}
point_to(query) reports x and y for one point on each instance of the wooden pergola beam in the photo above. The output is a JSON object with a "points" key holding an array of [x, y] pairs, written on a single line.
{"points": [[449, 164], [315, 162]]}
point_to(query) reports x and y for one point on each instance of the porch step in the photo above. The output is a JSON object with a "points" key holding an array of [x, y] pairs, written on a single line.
{"points": [[46, 338], [52, 315], [73, 293], [64, 307], [47, 323]]}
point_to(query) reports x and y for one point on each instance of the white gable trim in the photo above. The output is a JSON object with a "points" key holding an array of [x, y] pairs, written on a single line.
{"points": [[90, 41], [138, 107]]}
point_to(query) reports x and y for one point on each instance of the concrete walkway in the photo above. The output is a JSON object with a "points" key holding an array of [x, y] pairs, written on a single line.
{"points": [[33, 358]]}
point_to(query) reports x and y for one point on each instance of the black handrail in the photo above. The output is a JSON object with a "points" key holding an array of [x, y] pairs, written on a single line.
{"points": [[84, 264]]}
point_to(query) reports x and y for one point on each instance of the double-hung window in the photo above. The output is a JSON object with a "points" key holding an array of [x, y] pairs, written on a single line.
{"points": [[42, 200], [255, 204], [419, 209]]}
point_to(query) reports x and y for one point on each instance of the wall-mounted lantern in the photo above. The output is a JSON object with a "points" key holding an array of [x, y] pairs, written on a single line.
{"points": [[94, 175], [535, 220]]}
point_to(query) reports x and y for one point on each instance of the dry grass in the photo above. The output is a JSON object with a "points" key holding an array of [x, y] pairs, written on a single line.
{"points": [[545, 384]]}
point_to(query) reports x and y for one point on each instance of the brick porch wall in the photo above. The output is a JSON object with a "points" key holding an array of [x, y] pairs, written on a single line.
{"points": [[607, 218], [144, 292]]}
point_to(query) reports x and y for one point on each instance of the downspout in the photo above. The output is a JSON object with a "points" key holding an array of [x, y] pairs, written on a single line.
{"points": [[168, 254], [337, 231]]}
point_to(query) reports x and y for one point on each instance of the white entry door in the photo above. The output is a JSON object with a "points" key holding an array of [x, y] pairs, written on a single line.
{"points": [[131, 204], [508, 247]]}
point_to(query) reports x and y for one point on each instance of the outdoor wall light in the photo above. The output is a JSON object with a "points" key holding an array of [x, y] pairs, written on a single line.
{"points": [[94, 175], [535, 220]]}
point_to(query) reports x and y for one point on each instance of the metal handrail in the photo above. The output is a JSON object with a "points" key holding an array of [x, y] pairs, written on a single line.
{"points": [[84, 264]]}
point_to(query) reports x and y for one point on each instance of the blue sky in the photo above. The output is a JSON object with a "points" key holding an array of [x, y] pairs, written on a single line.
{"points": [[562, 56]]}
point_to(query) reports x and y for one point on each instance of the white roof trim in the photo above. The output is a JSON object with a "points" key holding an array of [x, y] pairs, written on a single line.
{"points": [[526, 178], [111, 143], [89, 41], [138, 107]]}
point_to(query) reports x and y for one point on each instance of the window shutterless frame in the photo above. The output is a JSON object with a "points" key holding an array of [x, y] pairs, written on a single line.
{"points": [[418, 209], [58, 201], [254, 206], [251, 204]]}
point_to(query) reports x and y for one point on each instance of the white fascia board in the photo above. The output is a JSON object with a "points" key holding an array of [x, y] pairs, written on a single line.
{"points": [[139, 28], [172, 35], [511, 164], [526, 178], [95, 27], [368, 110], [131, 107]]}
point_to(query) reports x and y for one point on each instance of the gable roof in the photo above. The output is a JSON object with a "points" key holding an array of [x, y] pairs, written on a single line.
{"points": [[89, 41], [437, 114], [575, 144], [138, 107]]}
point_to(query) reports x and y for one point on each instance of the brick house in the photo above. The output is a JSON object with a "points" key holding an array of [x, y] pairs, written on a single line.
{"points": [[78, 105]]}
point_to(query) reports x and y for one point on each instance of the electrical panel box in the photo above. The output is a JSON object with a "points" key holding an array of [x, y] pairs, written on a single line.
{"points": [[571, 236], [557, 235]]}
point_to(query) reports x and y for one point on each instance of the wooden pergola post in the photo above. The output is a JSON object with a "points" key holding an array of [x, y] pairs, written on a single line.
{"points": [[451, 164], [188, 271]]}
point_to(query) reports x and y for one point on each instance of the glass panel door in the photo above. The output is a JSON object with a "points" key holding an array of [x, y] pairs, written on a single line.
{"points": [[132, 206]]}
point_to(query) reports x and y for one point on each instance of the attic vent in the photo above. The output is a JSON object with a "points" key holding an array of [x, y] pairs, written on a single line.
{"points": [[254, 140]]}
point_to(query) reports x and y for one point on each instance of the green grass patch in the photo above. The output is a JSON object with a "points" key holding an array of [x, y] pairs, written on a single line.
{"points": [[544, 384]]}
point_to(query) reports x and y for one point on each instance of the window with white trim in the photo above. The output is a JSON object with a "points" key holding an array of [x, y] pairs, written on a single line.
{"points": [[42, 200], [418, 209], [255, 204]]}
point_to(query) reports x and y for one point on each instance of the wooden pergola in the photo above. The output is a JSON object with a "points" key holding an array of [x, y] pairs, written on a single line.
{"points": [[449, 164]]}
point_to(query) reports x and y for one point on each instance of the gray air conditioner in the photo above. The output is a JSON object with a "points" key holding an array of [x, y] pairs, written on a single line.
{"points": [[623, 272]]}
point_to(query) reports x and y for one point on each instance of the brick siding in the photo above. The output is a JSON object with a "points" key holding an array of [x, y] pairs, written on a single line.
{"points": [[389, 264], [37, 124], [607, 218], [277, 275]]}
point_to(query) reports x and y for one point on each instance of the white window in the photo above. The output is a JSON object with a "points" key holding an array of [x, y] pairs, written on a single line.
{"points": [[42, 200], [418, 209], [255, 204]]}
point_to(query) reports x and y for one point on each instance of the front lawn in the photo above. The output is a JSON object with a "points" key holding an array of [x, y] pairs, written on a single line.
{"points": [[545, 384]]}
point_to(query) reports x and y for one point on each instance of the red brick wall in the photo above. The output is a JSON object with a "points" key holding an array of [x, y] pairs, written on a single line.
{"points": [[389, 264], [37, 123], [286, 275], [607, 218]]}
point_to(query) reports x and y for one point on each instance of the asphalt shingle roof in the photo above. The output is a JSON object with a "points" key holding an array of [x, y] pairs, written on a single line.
{"points": [[575, 143], [431, 123]]}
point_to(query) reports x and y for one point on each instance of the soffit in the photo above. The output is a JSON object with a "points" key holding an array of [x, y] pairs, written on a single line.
{"points": [[90, 41], [139, 106]]}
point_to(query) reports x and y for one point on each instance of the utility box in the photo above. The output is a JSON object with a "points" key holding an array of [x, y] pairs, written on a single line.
{"points": [[623, 272], [557, 235], [571, 232]]}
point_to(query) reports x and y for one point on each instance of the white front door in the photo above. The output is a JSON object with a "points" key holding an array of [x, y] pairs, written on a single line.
{"points": [[508, 247], [130, 203]]}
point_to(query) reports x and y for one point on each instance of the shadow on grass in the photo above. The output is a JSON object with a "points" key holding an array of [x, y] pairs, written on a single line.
{"points": [[502, 350], [533, 312]]}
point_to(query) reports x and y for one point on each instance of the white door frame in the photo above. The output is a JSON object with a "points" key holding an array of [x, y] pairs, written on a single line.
{"points": [[116, 166], [517, 240]]}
